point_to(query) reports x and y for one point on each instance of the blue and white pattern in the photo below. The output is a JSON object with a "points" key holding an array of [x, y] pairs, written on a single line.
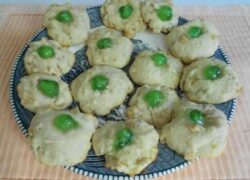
{"points": [[167, 161]]}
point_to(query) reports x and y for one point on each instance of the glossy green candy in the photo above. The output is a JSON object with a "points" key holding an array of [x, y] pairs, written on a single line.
{"points": [[65, 122], [64, 17], [99, 82], [165, 13], [159, 59], [46, 52], [48, 88], [124, 137], [125, 11], [212, 72], [194, 32], [154, 98], [104, 43], [197, 116]]}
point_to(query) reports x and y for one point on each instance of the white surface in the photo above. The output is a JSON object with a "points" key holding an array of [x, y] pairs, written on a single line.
{"points": [[92, 2], [156, 41]]}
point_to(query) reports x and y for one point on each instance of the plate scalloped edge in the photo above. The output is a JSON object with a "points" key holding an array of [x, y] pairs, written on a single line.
{"points": [[88, 173]]}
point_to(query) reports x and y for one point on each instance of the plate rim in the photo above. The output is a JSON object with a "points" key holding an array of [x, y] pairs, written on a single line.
{"points": [[85, 172]]}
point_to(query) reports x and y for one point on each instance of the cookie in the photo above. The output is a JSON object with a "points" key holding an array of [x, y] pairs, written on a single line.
{"points": [[196, 39], [210, 80], [159, 16], [123, 15], [128, 147], [100, 89], [61, 137], [108, 47], [67, 25], [38, 92], [153, 104], [48, 57], [196, 130], [156, 68]]}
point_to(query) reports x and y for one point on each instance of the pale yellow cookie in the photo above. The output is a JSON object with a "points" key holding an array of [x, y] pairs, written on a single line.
{"points": [[61, 137], [131, 157], [196, 130], [153, 104], [67, 25], [198, 86], [112, 12], [196, 39], [156, 68], [48, 57], [109, 47], [159, 15], [33, 95], [100, 89]]}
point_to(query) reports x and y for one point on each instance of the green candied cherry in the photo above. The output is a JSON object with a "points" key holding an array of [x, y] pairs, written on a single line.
{"points": [[104, 43], [64, 17], [46, 52], [212, 72], [125, 11], [48, 88], [165, 13], [197, 116], [99, 82], [123, 137], [194, 32], [154, 98], [65, 122], [159, 59]]}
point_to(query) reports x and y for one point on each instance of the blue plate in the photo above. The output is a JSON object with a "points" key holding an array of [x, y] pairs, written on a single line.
{"points": [[167, 161]]}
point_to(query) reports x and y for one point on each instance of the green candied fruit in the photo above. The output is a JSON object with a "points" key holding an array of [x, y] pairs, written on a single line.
{"points": [[159, 59], [65, 122], [212, 72], [197, 116], [64, 17], [154, 98], [46, 52], [99, 82], [104, 43], [48, 88], [194, 32], [123, 137], [125, 11], [165, 13]]}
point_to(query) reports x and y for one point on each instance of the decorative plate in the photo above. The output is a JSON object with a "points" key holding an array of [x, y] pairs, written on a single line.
{"points": [[167, 161]]}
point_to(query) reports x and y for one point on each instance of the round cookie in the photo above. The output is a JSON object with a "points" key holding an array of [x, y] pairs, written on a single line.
{"points": [[210, 81], [108, 47], [159, 16], [61, 137], [100, 89], [196, 130], [195, 39], [156, 68], [38, 92], [48, 57], [123, 15], [67, 25], [129, 146], [153, 104]]}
